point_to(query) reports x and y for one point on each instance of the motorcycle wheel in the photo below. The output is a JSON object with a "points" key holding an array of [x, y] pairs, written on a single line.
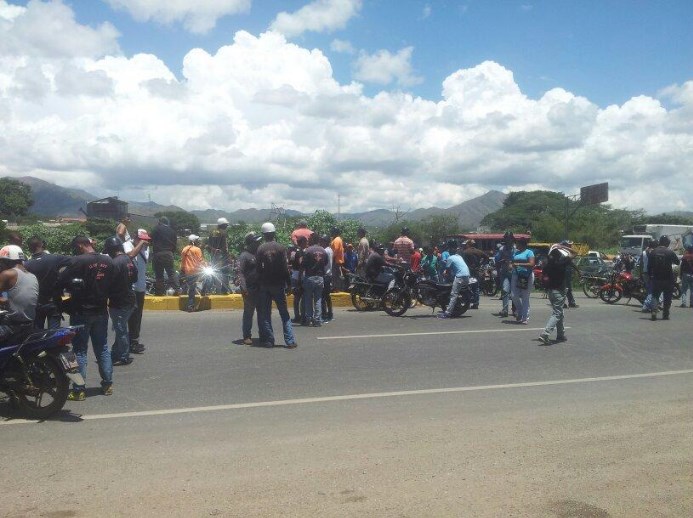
{"points": [[396, 302], [51, 382], [591, 289], [610, 295], [358, 303], [460, 309], [489, 288]]}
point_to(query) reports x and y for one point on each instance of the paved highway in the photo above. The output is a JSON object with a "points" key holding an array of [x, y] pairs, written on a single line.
{"points": [[378, 416]]}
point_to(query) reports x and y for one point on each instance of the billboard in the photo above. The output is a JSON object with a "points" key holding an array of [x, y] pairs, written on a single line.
{"points": [[594, 194]]}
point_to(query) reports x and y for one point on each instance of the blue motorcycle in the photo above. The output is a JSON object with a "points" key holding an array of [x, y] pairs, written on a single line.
{"points": [[36, 372]]}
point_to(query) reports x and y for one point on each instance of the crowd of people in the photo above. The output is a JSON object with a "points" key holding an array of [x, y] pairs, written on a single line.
{"points": [[108, 282]]}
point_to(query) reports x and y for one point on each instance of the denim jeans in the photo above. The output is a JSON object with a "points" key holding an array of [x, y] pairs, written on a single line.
{"points": [[664, 289], [312, 298], [521, 296], [687, 290], [96, 328], [249, 306], [135, 321], [49, 314], [647, 304], [266, 295], [327, 298], [556, 299], [298, 294], [121, 345], [505, 291], [457, 286], [162, 262], [475, 291]]}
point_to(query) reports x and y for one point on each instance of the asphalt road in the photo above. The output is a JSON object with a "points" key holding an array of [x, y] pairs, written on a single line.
{"points": [[378, 416]]}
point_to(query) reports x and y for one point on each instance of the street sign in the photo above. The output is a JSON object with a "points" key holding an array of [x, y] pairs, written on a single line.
{"points": [[594, 194]]}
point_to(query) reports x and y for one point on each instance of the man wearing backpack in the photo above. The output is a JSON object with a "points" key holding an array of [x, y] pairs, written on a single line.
{"points": [[660, 263], [273, 278]]}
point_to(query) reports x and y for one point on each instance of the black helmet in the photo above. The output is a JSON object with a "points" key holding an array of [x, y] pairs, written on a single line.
{"points": [[452, 244], [405, 231], [664, 241], [508, 236], [112, 245], [252, 238]]}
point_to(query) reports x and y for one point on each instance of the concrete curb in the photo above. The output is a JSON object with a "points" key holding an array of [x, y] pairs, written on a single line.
{"points": [[152, 303]]}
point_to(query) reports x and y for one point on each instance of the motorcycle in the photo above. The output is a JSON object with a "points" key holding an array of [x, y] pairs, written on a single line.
{"points": [[623, 284], [488, 279], [591, 284], [366, 295], [429, 293], [36, 372], [402, 292]]}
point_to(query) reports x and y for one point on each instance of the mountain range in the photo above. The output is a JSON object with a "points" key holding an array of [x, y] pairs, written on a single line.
{"points": [[51, 200]]}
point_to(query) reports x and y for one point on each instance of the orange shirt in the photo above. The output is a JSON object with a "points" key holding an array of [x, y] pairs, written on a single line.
{"points": [[300, 232], [337, 246], [191, 259]]}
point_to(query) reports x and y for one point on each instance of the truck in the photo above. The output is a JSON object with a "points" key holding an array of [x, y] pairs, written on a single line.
{"points": [[681, 237]]}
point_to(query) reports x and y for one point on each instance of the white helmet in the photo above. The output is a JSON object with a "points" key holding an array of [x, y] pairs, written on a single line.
{"points": [[192, 238], [222, 221], [12, 253], [268, 228]]}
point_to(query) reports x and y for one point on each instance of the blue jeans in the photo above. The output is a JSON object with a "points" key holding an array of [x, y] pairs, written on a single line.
{"points": [[312, 298], [266, 295], [96, 328], [457, 286], [475, 291], [505, 291], [557, 299], [249, 306], [687, 290], [296, 290], [121, 345], [521, 297]]}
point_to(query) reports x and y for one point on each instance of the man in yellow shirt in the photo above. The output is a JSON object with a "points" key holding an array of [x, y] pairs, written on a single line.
{"points": [[191, 263]]}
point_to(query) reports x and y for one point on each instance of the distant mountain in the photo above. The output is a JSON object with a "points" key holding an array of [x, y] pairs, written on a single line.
{"points": [[149, 208], [245, 215]]}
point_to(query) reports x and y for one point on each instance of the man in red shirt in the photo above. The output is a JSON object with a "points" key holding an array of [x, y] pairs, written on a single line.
{"points": [[301, 230], [416, 260]]}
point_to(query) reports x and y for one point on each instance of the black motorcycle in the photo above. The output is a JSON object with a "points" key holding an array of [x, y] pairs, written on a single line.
{"points": [[429, 293], [367, 295]]}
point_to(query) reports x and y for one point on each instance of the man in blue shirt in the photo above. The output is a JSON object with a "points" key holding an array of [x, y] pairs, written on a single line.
{"points": [[456, 267]]}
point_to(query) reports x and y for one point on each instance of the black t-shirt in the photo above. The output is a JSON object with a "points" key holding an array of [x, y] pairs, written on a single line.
{"points": [[374, 264], [96, 270], [247, 269], [272, 264], [121, 295], [164, 239], [46, 267], [314, 261], [555, 271], [660, 262]]}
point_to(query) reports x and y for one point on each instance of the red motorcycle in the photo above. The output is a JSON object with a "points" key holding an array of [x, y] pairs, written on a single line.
{"points": [[623, 284]]}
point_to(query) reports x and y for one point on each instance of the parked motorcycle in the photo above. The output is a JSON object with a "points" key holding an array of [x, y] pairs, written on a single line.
{"points": [[591, 284], [366, 295], [428, 293], [36, 372], [488, 279], [623, 284], [402, 292]]}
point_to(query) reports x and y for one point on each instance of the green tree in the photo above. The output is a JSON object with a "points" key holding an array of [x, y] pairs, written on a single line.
{"points": [[57, 239], [15, 198], [182, 222]]}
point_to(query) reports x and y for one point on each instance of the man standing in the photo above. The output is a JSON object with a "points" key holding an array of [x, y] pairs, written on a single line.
{"points": [[138, 251], [362, 252], [337, 246], [504, 259], [273, 278], [191, 262], [46, 267], [350, 259], [296, 284], [312, 271], [121, 299], [460, 271], [555, 278], [327, 314], [416, 260], [218, 247], [22, 289], [164, 243], [687, 278], [404, 247], [301, 230], [248, 280], [660, 264], [88, 307], [474, 259]]}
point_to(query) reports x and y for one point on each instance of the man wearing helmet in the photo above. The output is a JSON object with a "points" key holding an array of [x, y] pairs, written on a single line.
{"points": [[660, 263], [121, 299], [404, 246], [218, 247], [555, 279], [22, 294], [247, 277], [273, 278]]}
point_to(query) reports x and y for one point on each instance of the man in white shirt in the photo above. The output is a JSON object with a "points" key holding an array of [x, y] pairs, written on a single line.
{"points": [[138, 250]]}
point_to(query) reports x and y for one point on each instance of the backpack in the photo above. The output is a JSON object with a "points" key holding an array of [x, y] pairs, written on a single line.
{"points": [[660, 262]]}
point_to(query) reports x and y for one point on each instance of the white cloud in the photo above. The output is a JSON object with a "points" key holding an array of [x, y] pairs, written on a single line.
{"points": [[342, 46], [199, 16], [263, 120], [383, 68], [426, 11], [317, 16]]}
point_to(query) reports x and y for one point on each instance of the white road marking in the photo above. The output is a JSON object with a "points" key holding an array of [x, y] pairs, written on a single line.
{"points": [[373, 395], [513, 329]]}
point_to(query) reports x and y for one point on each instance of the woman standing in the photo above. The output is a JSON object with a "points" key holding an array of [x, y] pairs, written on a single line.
{"points": [[522, 280]]}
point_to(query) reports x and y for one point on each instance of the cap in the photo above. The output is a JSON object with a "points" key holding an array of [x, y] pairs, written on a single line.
{"points": [[192, 238], [143, 235], [12, 253], [268, 228], [222, 221]]}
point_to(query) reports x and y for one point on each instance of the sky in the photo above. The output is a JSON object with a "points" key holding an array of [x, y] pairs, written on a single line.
{"points": [[234, 104]]}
